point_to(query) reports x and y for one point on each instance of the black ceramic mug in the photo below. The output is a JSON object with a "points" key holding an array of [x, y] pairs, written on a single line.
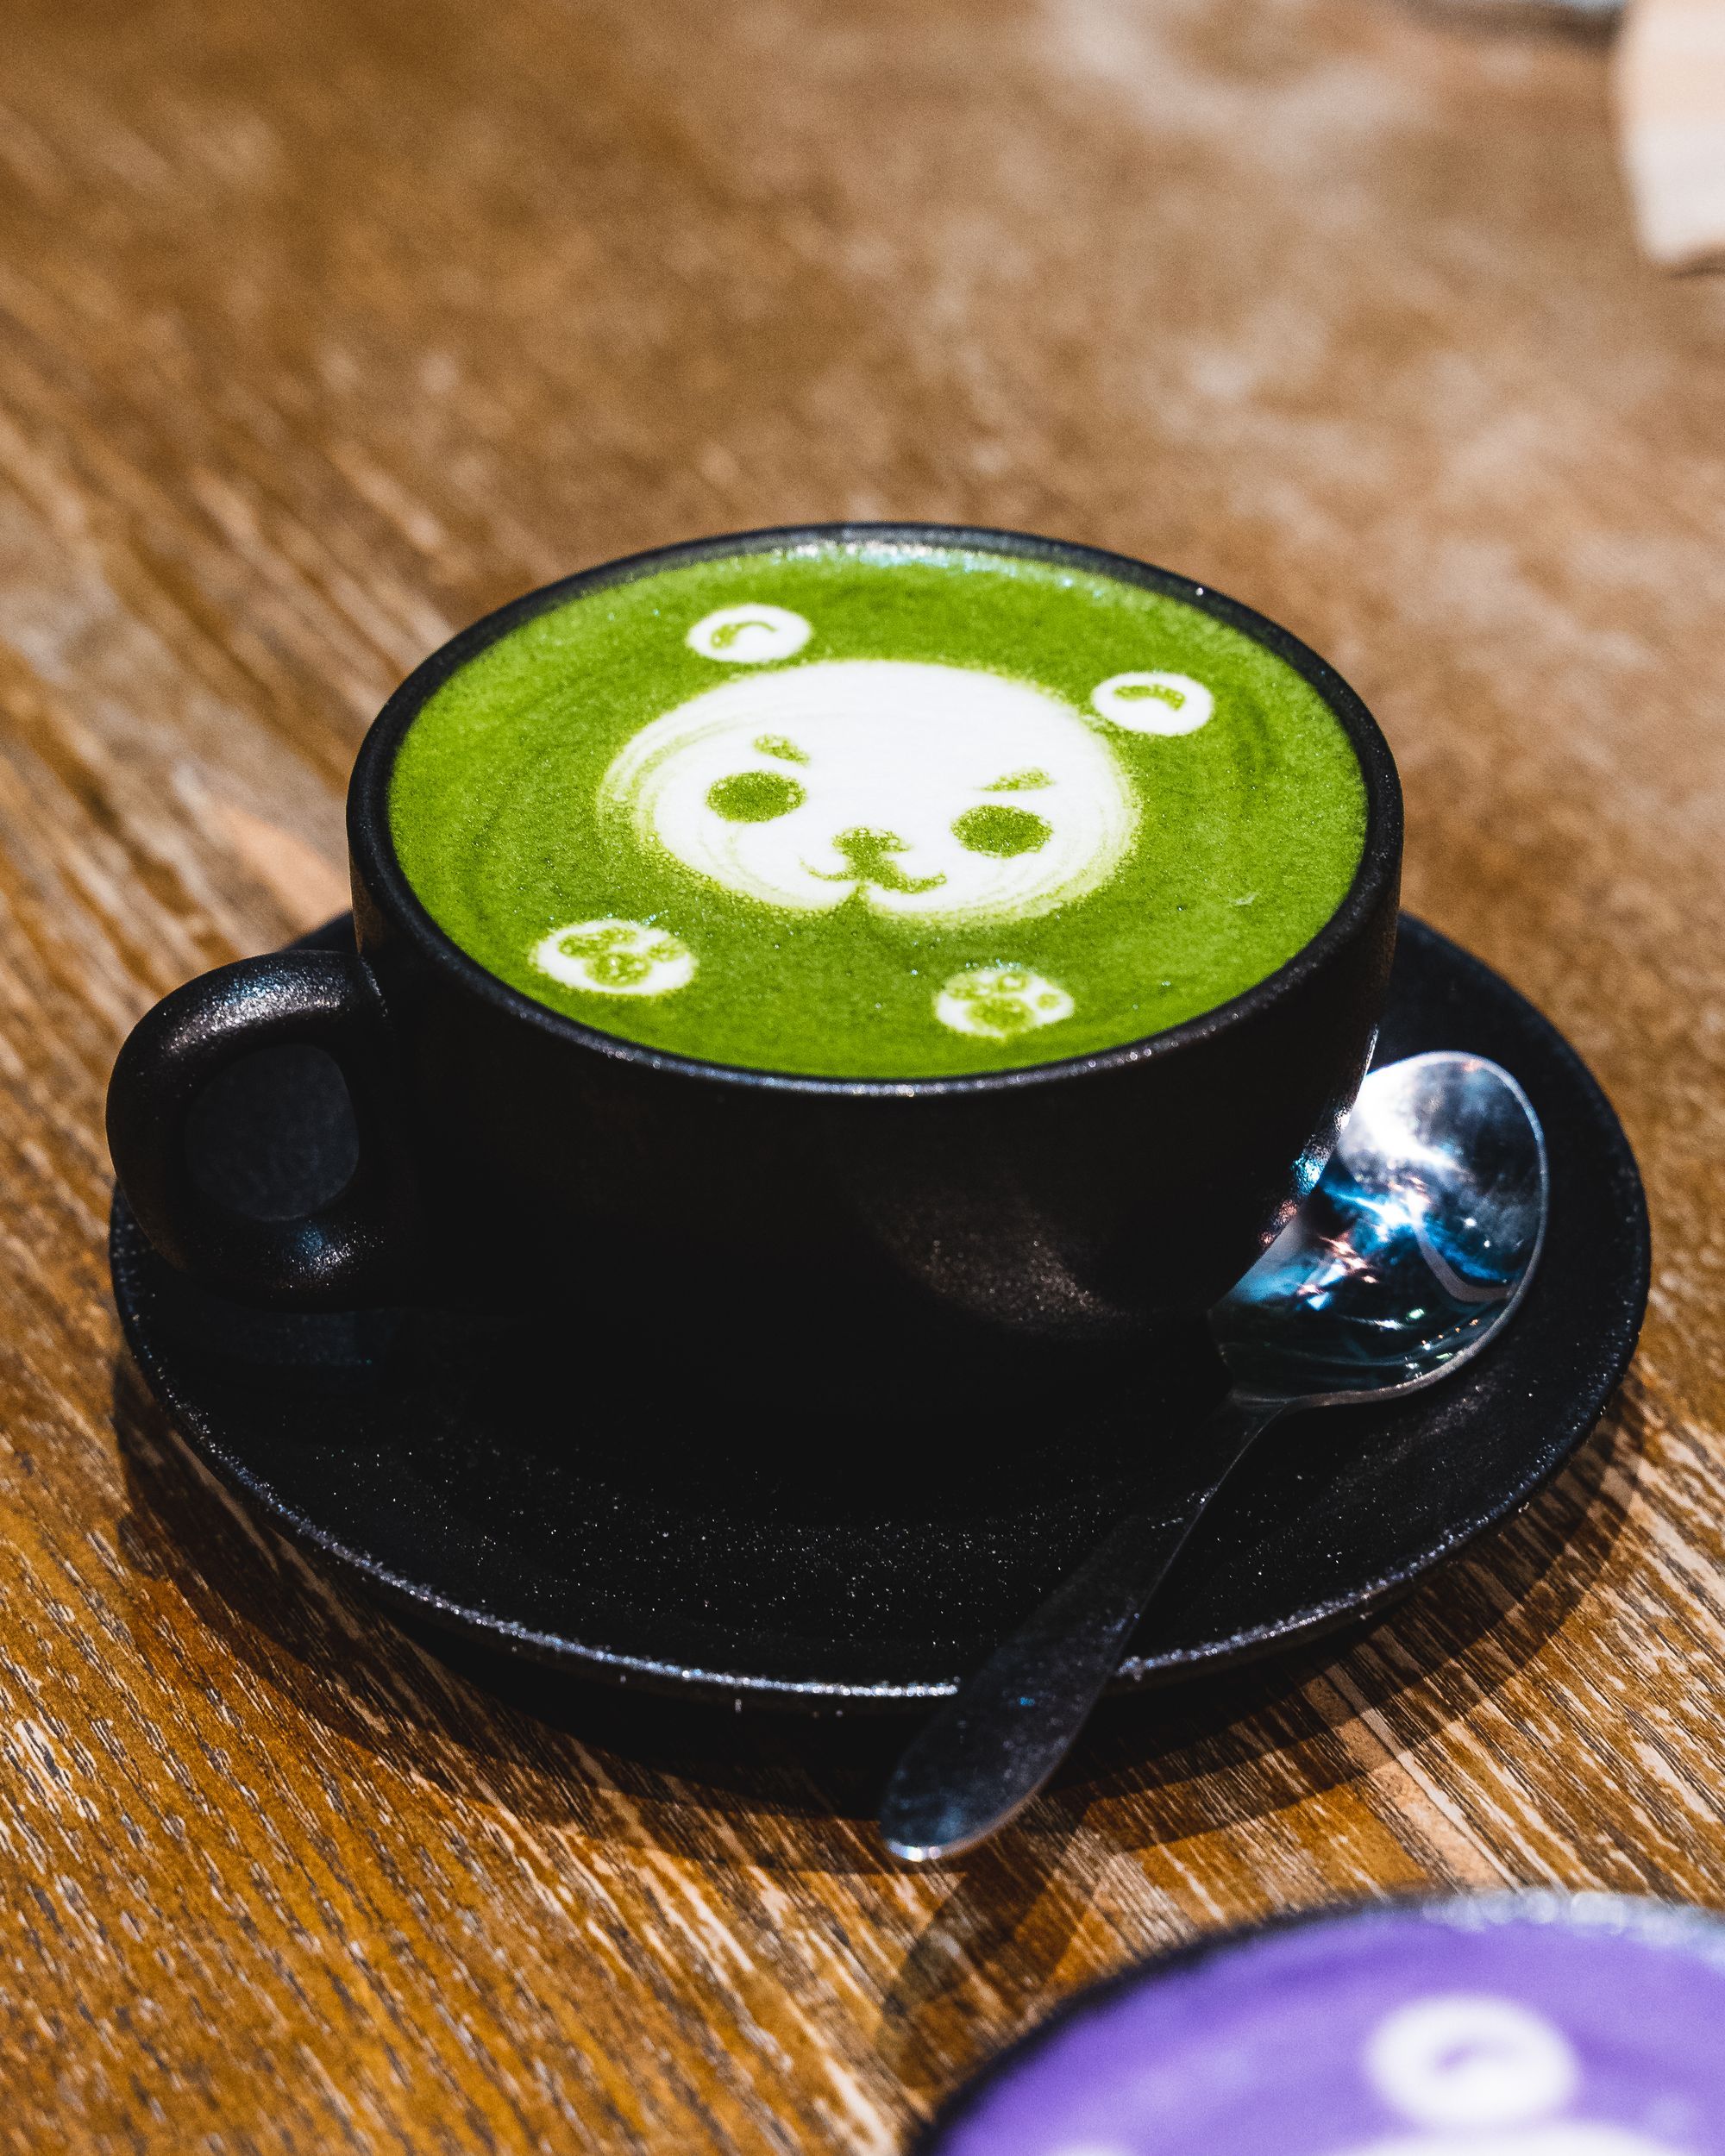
{"points": [[508, 1154]]}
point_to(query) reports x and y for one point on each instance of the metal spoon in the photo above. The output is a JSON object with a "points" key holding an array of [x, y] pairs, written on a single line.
{"points": [[1415, 1247]]}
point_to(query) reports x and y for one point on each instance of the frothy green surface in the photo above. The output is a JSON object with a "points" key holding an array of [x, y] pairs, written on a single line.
{"points": [[737, 914]]}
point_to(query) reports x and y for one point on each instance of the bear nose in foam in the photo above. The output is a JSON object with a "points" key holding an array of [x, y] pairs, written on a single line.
{"points": [[866, 856]]}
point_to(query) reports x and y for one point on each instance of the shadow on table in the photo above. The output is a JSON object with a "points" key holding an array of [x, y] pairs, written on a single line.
{"points": [[780, 1793]]}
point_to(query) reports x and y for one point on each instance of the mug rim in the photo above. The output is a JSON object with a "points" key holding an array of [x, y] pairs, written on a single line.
{"points": [[372, 846]]}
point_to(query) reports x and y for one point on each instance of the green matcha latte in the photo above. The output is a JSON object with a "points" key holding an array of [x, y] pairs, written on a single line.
{"points": [[877, 810]]}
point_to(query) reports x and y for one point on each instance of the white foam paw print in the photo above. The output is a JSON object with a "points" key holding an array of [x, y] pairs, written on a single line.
{"points": [[616, 958], [749, 636], [943, 792], [996, 1003], [1153, 703], [1465, 2061]]}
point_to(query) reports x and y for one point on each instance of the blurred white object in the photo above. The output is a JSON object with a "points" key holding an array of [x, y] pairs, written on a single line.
{"points": [[1670, 114], [1589, 17]]}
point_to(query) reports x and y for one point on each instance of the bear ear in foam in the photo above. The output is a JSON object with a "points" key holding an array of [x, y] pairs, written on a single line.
{"points": [[749, 636], [1153, 703]]}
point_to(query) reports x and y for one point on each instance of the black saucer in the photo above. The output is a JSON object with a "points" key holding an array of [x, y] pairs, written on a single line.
{"points": [[407, 1451]]}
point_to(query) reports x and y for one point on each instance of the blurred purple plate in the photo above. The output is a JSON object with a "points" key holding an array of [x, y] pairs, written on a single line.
{"points": [[1512, 2025]]}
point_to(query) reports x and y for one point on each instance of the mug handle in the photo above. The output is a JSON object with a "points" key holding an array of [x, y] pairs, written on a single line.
{"points": [[345, 1255]]}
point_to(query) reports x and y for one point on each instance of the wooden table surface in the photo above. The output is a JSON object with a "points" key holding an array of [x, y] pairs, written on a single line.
{"points": [[326, 325]]}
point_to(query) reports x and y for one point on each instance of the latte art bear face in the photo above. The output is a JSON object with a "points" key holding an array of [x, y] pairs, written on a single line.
{"points": [[941, 792]]}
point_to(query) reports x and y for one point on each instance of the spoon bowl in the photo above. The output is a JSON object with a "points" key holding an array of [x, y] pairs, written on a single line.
{"points": [[1419, 1242]]}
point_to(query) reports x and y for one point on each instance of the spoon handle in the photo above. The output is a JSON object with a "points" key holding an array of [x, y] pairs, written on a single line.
{"points": [[987, 1751]]}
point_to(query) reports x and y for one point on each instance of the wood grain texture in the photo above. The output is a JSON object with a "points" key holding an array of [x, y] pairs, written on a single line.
{"points": [[327, 324]]}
